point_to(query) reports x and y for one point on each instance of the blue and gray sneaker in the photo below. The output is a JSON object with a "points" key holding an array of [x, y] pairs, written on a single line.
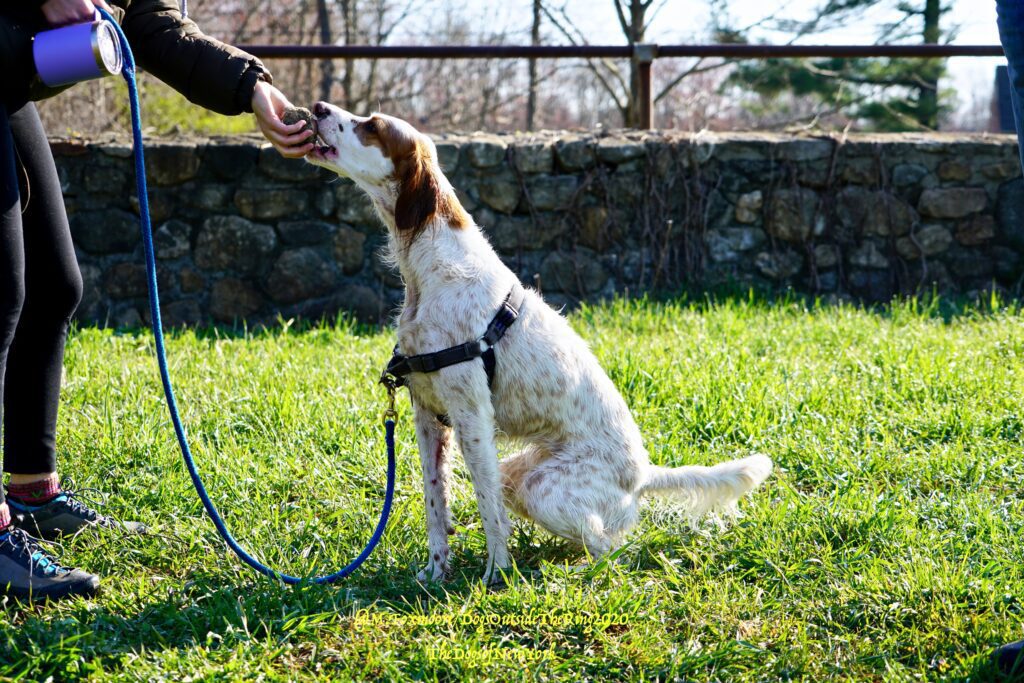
{"points": [[27, 572], [65, 515]]}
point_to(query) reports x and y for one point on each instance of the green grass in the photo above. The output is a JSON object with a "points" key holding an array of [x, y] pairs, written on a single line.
{"points": [[886, 546]]}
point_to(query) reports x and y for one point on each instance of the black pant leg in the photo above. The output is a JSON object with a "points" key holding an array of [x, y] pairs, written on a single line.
{"points": [[53, 288], [12, 251]]}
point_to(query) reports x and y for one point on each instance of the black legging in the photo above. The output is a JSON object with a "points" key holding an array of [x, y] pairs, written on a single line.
{"points": [[40, 287]]}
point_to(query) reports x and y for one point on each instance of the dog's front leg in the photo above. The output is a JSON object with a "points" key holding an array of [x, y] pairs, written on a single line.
{"points": [[474, 428], [434, 441]]}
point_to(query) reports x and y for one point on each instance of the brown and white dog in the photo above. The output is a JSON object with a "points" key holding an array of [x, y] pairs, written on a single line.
{"points": [[583, 469]]}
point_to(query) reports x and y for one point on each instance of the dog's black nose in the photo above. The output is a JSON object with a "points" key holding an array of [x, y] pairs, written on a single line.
{"points": [[320, 110]]}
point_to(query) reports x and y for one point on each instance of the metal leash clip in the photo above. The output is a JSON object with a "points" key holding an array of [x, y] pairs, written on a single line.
{"points": [[391, 384]]}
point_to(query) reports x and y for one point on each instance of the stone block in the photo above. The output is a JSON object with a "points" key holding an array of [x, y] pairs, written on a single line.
{"points": [[304, 233], [826, 256], [575, 155], [271, 203], [595, 229], [976, 230], [234, 244], [969, 262], [748, 207], [928, 240], [300, 274], [619, 150], [275, 166], [791, 214], [534, 157], [725, 245], [172, 240], [105, 232], [191, 281], [229, 159], [500, 191], [171, 164], [552, 192], [952, 202], [868, 255], [447, 156], [905, 175], [953, 170], [232, 300], [779, 265], [348, 249], [577, 273], [128, 280], [161, 205], [485, 151], [210, 197]]}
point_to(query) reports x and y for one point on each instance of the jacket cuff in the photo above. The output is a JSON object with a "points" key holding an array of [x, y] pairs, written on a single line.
{"points": [[247, 86]]}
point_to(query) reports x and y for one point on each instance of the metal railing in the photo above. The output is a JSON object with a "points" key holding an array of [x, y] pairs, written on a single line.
{"points": [[645, 55]]}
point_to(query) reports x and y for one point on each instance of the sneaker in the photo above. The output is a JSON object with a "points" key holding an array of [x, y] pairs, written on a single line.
{"points": [[1008, 660], [65, 515], [28, 572]]}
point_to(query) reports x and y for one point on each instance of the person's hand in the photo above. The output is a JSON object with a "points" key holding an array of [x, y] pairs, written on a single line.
{"points": [[63, 12], [268, 104]]}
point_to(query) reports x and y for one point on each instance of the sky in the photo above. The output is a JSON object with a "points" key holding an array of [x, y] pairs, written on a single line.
{"points": [[686, 20]]}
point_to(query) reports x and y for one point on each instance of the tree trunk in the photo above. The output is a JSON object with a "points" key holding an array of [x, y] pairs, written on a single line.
{"points": [[531, 100], [928, 97], [323, 17], [348, 14], [635, 31]]}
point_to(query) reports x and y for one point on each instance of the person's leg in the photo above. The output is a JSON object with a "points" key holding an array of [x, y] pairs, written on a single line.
{"points": [[1011, 33], [53, 288], [26, 569], [12, 259]]}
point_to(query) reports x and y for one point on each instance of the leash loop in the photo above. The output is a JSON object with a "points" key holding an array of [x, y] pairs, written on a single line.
{"points": [[128, 72]]}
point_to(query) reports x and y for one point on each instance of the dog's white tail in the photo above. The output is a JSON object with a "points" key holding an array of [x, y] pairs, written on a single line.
{"points": [[702, 489]]}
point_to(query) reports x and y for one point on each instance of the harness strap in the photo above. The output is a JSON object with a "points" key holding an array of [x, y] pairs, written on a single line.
{"points": [[400, 366]]}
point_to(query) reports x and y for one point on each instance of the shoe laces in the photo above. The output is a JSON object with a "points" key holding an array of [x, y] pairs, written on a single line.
{"points": [[39, 558], [79, 504]]}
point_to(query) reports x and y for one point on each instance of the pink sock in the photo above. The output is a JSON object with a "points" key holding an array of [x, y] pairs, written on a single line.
{"points": [[37, 492], [5, 518]]}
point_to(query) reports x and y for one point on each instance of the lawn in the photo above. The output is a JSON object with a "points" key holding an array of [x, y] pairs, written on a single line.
{"points": [[886, 546]]}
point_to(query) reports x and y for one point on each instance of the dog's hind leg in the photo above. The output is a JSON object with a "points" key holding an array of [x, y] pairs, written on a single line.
{"points": [[514, 469], [578, 502], [434, 441]]}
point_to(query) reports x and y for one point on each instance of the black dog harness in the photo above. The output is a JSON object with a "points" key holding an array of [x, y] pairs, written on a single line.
{"points": [[401, 366]]}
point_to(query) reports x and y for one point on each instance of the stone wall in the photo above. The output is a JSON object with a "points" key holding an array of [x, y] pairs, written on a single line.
{"points": [[242, 233]]}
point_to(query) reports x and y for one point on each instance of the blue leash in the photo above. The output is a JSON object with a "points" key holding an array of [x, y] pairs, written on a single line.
{"points": [[128, 71]]}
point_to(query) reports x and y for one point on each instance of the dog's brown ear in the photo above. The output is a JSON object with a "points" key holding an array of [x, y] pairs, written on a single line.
{"points": [[419, 196]]}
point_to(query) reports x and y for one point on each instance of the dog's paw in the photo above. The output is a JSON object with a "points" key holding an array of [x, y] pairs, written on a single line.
{"points": [[497, 577], [433, 572]]}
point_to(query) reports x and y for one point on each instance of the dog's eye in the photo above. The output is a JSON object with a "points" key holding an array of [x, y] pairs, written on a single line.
{"points": [[370, 126], [341, 128]]}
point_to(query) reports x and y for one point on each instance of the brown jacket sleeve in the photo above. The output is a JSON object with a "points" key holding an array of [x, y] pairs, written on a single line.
{"points": [[206, 71]]}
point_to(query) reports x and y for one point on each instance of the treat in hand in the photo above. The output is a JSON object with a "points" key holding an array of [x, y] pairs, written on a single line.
{"points": [[295, 114]]}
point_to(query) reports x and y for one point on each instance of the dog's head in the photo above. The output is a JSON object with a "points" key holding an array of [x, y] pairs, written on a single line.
{"points": [[392, 161]]}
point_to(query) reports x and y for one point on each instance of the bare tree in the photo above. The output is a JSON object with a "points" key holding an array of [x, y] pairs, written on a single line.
{"points": [[531, 102], [323, 17]]}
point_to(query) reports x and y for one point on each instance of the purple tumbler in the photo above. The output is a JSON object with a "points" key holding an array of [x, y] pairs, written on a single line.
{"points": [[77, 53]]}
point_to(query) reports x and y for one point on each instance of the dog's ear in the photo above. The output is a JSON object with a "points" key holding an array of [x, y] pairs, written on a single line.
{"points": [[419, 196]]}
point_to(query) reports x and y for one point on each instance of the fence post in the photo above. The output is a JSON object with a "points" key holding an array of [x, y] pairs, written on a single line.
{"points": [[645, 55]]}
